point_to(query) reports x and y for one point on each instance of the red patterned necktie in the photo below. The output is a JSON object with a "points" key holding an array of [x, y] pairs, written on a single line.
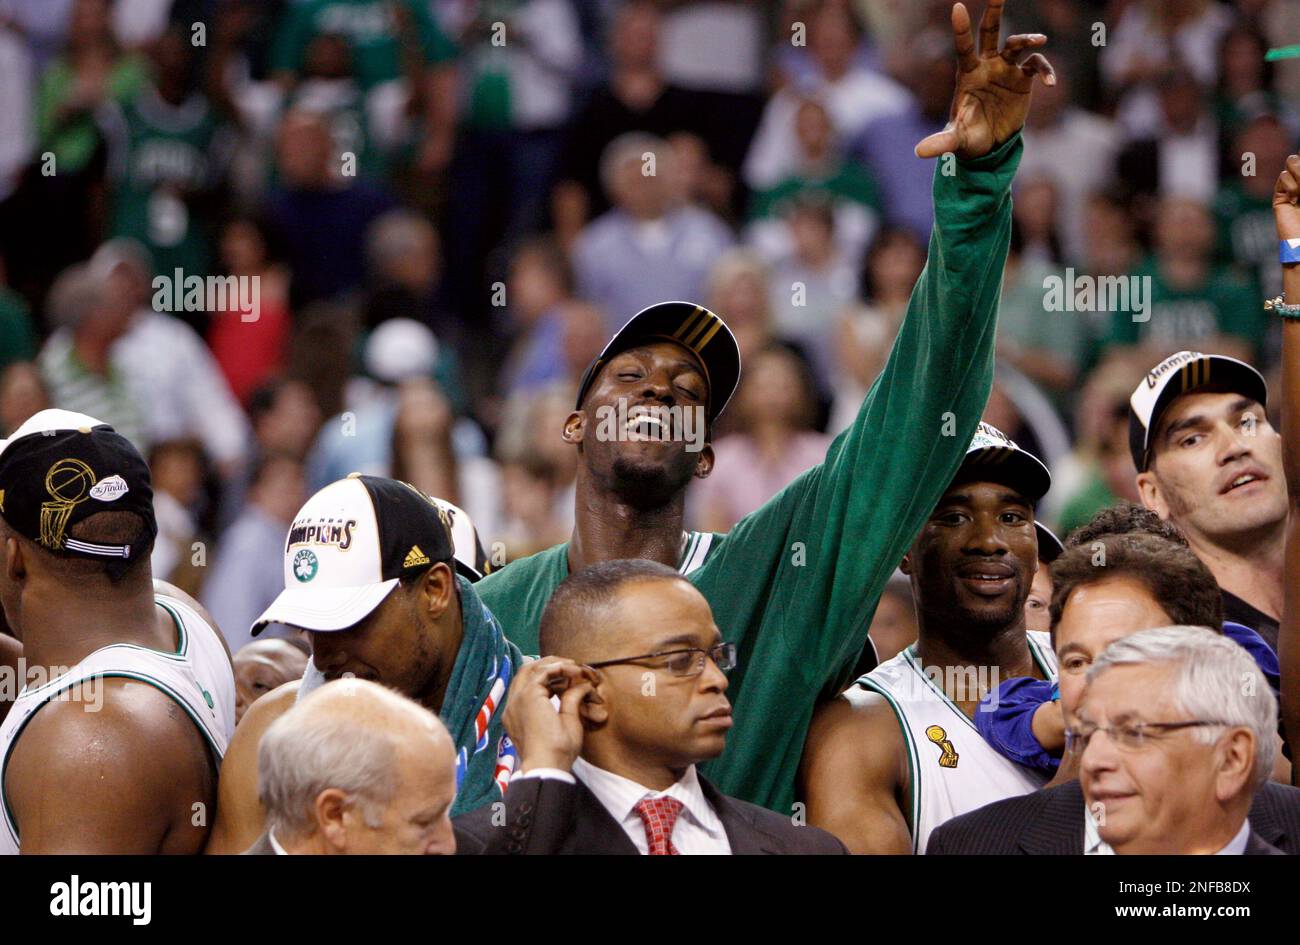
{"points": [[659, 814]]}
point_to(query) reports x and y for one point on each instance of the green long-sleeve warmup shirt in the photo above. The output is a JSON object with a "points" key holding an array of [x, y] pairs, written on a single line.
{"points": [[795, 583]]}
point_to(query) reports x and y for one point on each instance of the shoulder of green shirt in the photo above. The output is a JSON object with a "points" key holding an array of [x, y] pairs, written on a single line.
{"points": [[438, 47]]}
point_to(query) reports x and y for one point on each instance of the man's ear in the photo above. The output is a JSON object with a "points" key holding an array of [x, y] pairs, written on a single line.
{"points": [[1236, 763], [704, 462], [437, 588], [1151, 495], [15, 565], [594, 710], [332, 810], [906, 564], [575, 427]]}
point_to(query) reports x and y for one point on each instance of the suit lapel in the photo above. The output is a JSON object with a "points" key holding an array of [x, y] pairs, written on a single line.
{"points": [[595, 831], [1263, 817], [1057, 825], [745, 839]]}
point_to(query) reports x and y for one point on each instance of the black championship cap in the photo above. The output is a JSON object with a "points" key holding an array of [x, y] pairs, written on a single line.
{"points": [[60, 468], [1049, 546], [1180, 374], [693, 327], [354, 540], [994, 457]]}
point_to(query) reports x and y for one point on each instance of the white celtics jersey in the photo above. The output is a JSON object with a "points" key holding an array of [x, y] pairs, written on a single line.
{"points": [[698, 546], [198, 676], [951, 768]]}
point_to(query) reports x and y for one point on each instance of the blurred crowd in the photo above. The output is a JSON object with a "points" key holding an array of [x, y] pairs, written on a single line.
{"points": [[446, 206]]}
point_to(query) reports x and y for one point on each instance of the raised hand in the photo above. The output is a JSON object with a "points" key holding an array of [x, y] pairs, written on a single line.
{"points": [[1286, 200], [992, 95]]}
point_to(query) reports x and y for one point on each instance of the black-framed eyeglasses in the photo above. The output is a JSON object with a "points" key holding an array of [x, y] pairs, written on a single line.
{"points": [[1131, 737], [688, 661]]}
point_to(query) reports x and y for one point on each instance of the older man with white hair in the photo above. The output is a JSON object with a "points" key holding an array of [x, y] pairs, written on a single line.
{"points": [[1176, 729], [355, 768]]}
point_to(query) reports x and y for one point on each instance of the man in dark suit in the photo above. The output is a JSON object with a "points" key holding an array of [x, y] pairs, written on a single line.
{"points": [[638, 668], [1177, 768], [1050, 822]]}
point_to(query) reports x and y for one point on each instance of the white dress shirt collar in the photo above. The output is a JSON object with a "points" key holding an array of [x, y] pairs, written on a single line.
{"points": [[1237, 845], [1093, 845], [275, 844], [620, 795]]}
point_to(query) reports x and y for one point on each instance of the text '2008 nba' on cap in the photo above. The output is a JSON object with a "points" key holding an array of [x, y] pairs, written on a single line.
{"points": [[1180, 374], [58, 469], [684, 323], [353, 542]]}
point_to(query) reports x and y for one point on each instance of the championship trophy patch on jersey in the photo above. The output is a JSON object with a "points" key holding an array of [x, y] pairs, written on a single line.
{"points": [[947, 754]]}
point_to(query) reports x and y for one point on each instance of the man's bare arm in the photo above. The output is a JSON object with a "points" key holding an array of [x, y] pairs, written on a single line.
{"points": [[11, 651], [1286, 213], [240, 816], [133, 777], [852, 773]]}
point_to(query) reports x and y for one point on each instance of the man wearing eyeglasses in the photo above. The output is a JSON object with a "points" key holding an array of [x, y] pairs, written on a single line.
{"points": [[1177, 733], [1149, 581], [638, 669]]}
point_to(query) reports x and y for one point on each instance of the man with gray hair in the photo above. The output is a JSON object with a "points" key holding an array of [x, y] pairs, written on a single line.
{"points": [[92, 310], [1176, 730], [355, 768], [648, 247]]}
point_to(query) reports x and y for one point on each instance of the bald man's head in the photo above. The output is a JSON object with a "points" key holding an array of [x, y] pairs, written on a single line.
{"points": [[264, 665], [357, 768]]}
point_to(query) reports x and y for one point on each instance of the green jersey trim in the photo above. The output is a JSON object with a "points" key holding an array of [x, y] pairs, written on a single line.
{"points": [[913, 661], [158, 684], [913, 762], [1035, 649]]}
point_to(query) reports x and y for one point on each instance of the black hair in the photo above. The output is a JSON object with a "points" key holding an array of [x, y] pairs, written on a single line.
{"points": [[574, 609]]}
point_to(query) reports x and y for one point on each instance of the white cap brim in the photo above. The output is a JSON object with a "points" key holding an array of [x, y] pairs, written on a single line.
{"points": [[50, 420], [323, 609]]}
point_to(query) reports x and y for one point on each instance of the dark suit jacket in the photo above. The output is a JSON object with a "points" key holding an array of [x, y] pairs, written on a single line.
{"points": [[261, 846], [1051, 822], [548, 816]]}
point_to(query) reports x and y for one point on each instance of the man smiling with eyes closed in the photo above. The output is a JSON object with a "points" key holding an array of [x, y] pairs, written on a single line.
{"points": [[795, 583], [1209, 462]]}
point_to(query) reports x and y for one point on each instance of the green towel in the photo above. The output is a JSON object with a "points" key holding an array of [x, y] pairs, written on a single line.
{"points": [[471, 709]]}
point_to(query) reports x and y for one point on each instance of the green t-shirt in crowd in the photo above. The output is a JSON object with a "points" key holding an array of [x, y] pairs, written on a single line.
{"points": [[795, 583], [849, 181], [17, 337], [1087, 501], [1182, 318], [72, 139], [372, 32], [163, 155]]}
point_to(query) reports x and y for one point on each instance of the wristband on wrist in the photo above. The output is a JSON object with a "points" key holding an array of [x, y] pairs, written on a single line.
{"points": [[1279, 306], [1288, 251]]}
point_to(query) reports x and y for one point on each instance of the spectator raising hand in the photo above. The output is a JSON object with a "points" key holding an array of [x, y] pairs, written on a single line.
{"points": [[1286, 211]]}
